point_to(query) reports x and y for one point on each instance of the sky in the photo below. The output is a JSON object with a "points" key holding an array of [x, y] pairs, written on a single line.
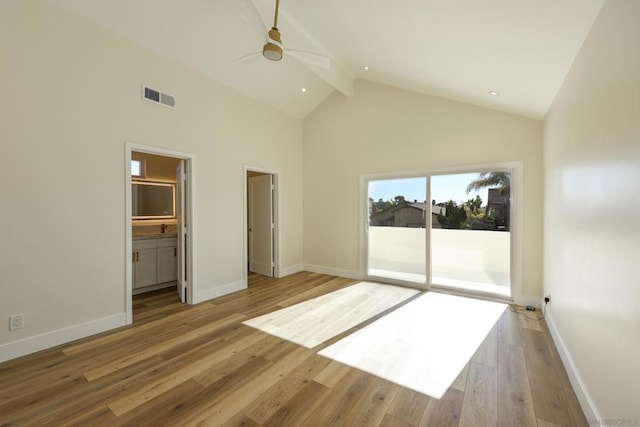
{"points": [[443, 188]]}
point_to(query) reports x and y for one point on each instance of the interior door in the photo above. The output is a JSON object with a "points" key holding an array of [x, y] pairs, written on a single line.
{"points": [[182, 214], [261, 225]]}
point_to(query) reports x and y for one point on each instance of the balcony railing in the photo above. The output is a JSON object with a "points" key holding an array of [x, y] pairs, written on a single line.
{"points": [[471, 259]]}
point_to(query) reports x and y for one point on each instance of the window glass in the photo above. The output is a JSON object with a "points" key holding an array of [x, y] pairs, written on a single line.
{"points": [[137, 168]]}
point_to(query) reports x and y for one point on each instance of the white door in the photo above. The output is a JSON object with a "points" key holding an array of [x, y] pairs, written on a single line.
{"points": [[261, 226], [182, 213]]}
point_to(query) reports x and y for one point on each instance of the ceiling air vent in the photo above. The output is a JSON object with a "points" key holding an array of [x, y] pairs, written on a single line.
{"points": [[158, 97]]}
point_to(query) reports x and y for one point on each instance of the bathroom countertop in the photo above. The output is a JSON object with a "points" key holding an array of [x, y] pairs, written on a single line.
{"points": [[155, 236]]}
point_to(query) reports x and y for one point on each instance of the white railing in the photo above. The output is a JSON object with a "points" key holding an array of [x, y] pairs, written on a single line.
{"points": [[474, 257]]}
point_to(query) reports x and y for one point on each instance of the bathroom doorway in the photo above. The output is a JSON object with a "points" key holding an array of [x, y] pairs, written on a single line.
{"points": [[159, 222]]}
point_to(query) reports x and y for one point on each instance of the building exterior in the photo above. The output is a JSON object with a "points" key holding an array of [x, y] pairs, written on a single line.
{"points": [[406, 214], [499, 204]]}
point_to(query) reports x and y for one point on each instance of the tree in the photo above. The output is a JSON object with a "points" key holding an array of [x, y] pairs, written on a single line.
{"points": [[481, 222], [454, 216], [501, 180], [398, 200], [498, 209], [474, 204]]}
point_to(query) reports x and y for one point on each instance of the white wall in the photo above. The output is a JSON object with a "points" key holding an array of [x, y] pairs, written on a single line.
{"points": [[71, 99], [592, 207], [384, 129]]}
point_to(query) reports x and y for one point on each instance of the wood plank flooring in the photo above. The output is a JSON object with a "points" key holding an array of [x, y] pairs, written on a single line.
{"points": [[182, 365]]}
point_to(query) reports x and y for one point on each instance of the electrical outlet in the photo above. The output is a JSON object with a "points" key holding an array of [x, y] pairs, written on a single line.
{"points": [[16, 322], [547, 298]]}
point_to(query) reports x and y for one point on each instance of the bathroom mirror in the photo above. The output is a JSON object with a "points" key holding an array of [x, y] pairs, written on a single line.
{"points": [[153, 200]]}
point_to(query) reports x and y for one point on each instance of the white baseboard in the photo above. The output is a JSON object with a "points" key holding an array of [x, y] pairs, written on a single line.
{"points": [[588, 407], [287, 271], [349, 274], [218, 291], [525, 300], [29, 345]]}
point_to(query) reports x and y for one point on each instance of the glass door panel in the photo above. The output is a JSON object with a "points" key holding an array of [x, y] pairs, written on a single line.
{"points": [[470, 232], [397, 229]]}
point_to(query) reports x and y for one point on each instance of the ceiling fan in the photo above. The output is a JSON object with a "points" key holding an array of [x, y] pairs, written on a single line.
{"points": [[273, 49]]}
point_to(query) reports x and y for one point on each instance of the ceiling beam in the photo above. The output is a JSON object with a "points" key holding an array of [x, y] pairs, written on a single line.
{"points": [[335, 74]]}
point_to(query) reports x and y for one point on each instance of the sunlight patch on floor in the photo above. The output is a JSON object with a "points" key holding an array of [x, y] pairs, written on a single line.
{"points": [[423, 345], [313, 322]]}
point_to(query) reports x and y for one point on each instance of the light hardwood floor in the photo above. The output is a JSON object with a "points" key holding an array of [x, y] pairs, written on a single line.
{"points": [[199, 365]]}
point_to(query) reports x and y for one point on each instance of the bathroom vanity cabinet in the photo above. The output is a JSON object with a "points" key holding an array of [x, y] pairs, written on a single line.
{"points": [[154, 263]]}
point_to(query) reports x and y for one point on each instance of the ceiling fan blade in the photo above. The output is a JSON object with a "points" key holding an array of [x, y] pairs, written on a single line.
{"points": [[310, 58], [250, 13], [252, 57]]}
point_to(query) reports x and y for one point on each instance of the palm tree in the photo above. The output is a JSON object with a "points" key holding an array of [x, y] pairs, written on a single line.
{"points": [[501, 180], [474, 204]]}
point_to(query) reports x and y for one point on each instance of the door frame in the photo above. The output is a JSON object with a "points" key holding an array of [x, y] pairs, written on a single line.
{"points": [[190, 218], [276, 217], [516, 225], [364, 227]]}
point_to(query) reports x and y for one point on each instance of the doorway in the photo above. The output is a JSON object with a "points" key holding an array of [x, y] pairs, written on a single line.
{"points": [[159, 222], [261, 221], [457, 230]]}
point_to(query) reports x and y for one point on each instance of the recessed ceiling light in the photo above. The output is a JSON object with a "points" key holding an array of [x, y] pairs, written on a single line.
{"points": [[303, 90], [494, 93], [365, 67]]}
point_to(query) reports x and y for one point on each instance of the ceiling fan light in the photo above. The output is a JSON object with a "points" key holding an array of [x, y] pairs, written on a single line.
{"points": [[272, 52]]}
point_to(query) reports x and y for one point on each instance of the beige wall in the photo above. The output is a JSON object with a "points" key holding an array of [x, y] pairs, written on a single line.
{"points": [[592, 207], [72, 98], [384, 129]]}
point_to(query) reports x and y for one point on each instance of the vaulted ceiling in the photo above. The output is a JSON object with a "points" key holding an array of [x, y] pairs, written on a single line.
{"points": [[457, 49]]}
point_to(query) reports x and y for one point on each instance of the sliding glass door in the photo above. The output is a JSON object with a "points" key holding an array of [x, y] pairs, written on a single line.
{"points": [[470, 233], [446, 230], [397, 221]]}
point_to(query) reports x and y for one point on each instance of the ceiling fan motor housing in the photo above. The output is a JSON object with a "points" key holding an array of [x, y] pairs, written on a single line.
{"points": [[272, 49]]}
